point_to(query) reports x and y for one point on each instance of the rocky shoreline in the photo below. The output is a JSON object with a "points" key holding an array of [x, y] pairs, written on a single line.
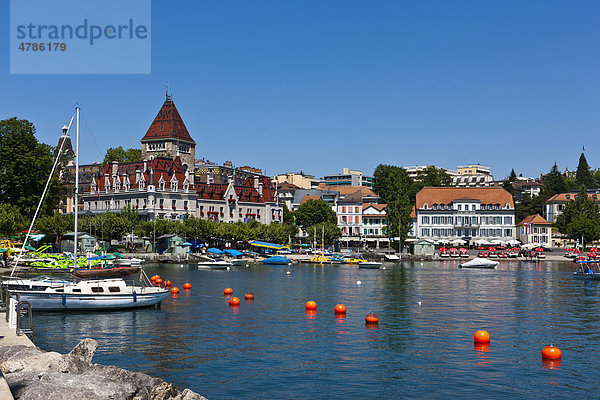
{"points": [[34, 374]]}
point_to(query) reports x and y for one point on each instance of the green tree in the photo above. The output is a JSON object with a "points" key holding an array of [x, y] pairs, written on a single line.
{"points": [[329, 229], [392, 181], [122, 155], [584, 176], [313, 212], [513, 176], [25, 166], [288, 216], [580, 218], [398, 190], [11, 221], [555, 182], [432, 176], [56, 225]]}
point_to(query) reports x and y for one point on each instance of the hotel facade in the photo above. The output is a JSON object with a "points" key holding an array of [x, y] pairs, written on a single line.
{"points": [[471, 214]]}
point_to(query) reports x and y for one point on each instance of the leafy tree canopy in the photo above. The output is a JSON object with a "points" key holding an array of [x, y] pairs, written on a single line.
{"points": [[313, 212], [324, 230], [122, 155], [25, 165], [11, 221], [432, 176], [580, 218]]}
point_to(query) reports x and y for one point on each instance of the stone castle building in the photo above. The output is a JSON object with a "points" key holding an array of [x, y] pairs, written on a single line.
{"points": [[166, 186], [168, 137]]}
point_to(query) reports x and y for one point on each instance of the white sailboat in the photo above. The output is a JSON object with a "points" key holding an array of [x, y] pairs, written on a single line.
{"points": [[90, 294]]}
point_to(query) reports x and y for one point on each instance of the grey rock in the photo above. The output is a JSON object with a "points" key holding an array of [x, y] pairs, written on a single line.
{"points": [[56, 385], [30, 359], [164, 391], [79, 359], [33, 374]]}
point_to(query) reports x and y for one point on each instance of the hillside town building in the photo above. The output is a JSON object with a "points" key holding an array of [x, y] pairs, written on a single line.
{"points": [[471, 214], [534, 229], [556, 204]]}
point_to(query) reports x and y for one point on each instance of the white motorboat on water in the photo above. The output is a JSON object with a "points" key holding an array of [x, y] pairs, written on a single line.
{"points": [[214, 264], [369, 264], [92, 294], [41, 282], [238, 262], [479, 263]]}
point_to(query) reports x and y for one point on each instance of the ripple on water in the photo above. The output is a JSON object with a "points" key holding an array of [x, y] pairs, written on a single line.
{"points": [[423, 346]]}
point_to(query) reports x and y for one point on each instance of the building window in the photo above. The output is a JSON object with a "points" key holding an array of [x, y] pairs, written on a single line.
{"points": [[459, 207]]}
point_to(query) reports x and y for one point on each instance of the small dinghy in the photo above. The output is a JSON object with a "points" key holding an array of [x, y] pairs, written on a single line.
{"points": [[479, 263], [214, 264], [369, 264]]}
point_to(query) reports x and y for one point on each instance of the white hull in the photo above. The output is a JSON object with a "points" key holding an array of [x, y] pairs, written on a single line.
{"points": [[238, 263], [71, 301], [369, 264]]}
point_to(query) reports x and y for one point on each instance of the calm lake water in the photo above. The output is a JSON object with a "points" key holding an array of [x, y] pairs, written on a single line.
{"points": [[423, 347]]}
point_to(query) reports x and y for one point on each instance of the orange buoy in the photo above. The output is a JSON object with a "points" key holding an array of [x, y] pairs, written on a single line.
{"points": [[372, 319], [340, 309], [175, 290], [249, 296], [153, 278], [551, 352], [234, 302], [481, 337], [158, 281], [228, 291], [167, 283], [311, 305], [187, 286]]}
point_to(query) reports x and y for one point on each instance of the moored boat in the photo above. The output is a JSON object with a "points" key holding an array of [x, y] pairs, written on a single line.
{"points": [[92, 294], [277, 260], [214, 264], [479, 263], [369, 264]]}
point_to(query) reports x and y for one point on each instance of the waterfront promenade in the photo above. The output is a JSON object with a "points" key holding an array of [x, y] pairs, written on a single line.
{"points": [[8, 337]]}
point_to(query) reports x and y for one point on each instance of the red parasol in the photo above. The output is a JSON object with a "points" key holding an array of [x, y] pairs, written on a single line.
{"points": [[462, 250], [443, 249], [491, 248], [594, 250], [453, 250]]}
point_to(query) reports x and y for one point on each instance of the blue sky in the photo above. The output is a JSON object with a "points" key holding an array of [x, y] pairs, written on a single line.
{"points": [[321, 85]]}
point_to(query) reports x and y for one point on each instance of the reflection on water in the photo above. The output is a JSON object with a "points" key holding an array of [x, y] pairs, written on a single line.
{"points": [[422, 347]]}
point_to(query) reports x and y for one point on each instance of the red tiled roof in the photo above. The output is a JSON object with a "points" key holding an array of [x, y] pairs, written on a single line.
{"points": [[306, 198], [246, 193], [446, 195], [168, 125], [562, 197], [346, 190], [536, 219], [379, 207]]}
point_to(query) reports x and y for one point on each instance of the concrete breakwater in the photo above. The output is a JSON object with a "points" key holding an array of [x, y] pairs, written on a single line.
{"points": [[31, 373]]}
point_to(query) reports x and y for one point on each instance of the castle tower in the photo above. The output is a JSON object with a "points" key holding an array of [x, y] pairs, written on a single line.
{"points": [[168, 137]]}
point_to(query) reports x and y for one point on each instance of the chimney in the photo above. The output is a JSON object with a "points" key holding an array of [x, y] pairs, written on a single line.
{"points": [[256, 182], [138, 173], [115, 167]]}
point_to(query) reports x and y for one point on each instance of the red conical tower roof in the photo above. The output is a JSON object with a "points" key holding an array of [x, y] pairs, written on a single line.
{"points": [[168, 125]]}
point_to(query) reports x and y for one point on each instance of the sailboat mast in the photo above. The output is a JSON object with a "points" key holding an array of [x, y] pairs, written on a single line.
{"points": [[76, 189]]}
